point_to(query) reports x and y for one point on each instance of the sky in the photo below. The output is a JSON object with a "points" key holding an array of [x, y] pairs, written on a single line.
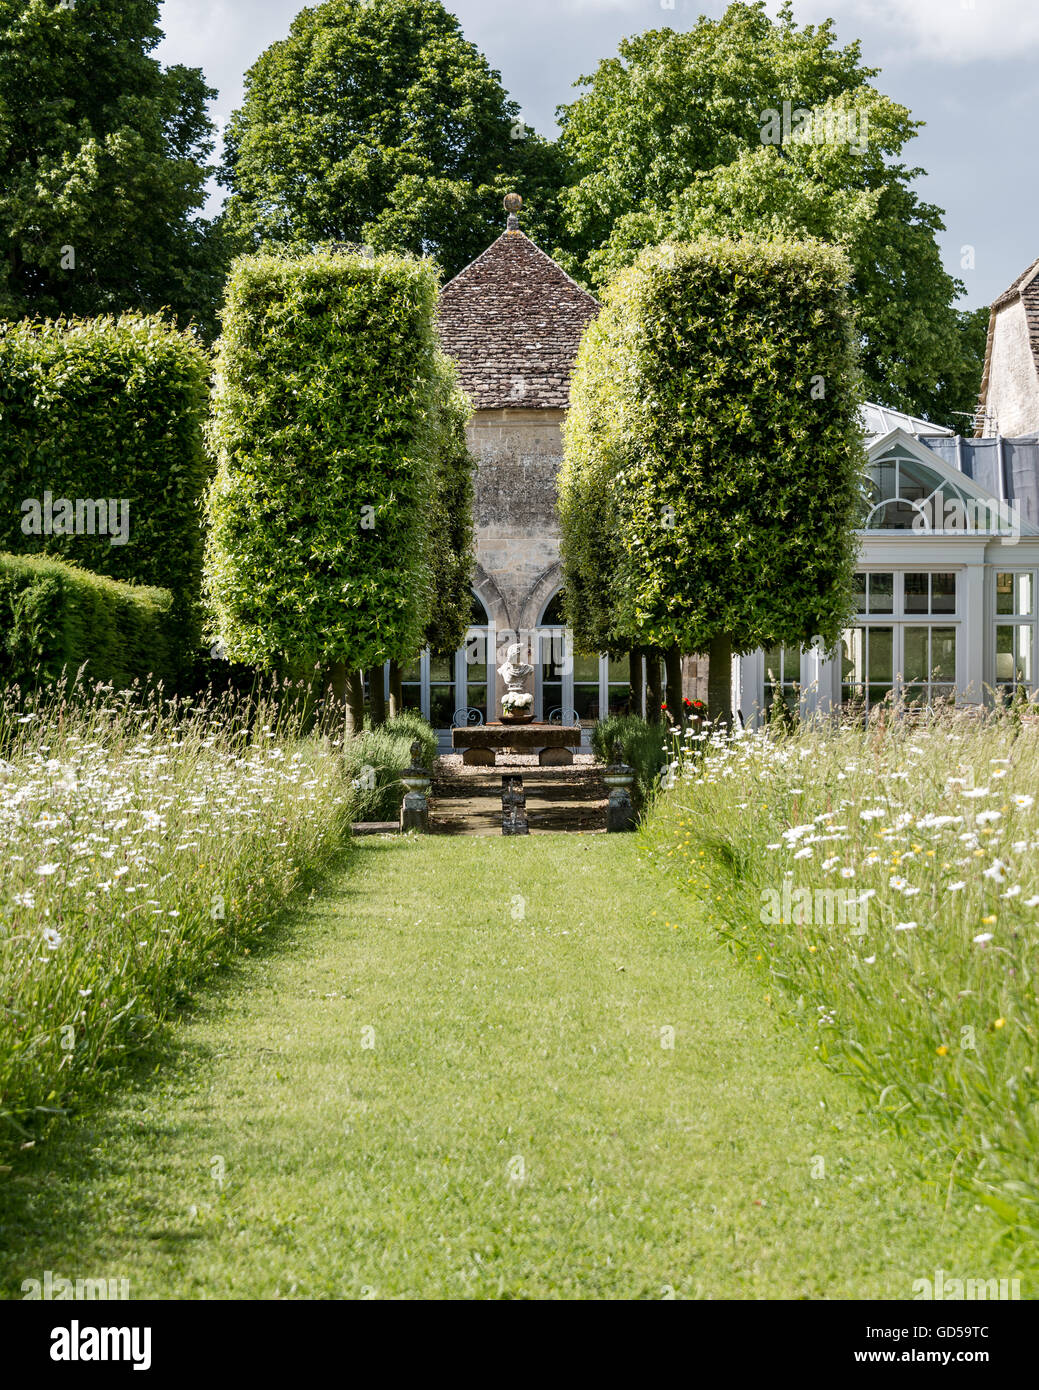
{"points": [[968, 68]]}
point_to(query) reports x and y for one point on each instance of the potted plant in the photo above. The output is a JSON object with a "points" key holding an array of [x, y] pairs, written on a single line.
{"points": [[517, 707]]}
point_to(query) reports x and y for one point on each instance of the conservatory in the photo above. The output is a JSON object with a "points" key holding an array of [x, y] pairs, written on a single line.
{"points": [[946, 586]]}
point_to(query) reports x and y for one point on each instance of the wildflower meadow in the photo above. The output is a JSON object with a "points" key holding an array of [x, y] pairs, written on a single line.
{"points": [[883, 879], [143, 842]]}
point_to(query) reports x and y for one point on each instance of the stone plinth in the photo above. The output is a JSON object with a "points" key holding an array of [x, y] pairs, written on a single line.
{"points": [[525, 738]]}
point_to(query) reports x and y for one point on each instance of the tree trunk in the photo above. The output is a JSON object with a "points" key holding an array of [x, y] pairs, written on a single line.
{"points": [[377, 692], [654, 688], [719, 681], [396, 702], [636, 678], [673, 666], [353, 721], [335, 689]]}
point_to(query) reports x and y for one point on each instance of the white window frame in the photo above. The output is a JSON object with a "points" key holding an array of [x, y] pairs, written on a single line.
{"points": [[899, 619], [1011, 620]]}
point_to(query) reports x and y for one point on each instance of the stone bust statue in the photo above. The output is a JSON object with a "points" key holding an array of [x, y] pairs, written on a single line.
{"points": [[515, 673]]}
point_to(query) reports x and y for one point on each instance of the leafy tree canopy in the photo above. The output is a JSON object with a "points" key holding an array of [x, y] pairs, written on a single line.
{"points": [[102, 165], [685, 134], [376, 122]]}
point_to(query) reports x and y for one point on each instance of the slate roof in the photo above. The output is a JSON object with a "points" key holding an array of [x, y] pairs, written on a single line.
{"points": [[512, 320], [1025, 288]]}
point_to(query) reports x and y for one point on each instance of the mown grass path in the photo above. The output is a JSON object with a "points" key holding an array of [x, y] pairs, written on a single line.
{"points": [[512, 1124]]}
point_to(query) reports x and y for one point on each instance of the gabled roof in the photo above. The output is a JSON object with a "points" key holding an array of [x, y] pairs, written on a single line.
{"points": [[512, 320], [960, 469], [1026, 289]]}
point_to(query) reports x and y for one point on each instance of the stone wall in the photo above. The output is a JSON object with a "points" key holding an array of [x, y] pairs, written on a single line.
{"points": [[519, 453], [1013, 386]]}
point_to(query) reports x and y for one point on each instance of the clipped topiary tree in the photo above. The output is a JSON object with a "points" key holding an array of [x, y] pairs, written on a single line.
{"points": [[102, 456], [328, 415], [452, 551], [715, 434]]}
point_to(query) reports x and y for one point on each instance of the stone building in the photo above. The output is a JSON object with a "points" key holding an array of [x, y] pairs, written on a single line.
{"points": [[947, 592], [512, 321], [1009, 404]]}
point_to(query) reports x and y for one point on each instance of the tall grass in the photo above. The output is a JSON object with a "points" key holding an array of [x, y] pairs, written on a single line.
{"points": [[142, 842], [919, 973]]}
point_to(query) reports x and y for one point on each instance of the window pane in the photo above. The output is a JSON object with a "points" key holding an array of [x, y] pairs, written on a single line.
{"points": [[441, 668], [441, 705], [916, 593], [620, 699], [774, 665], [881, 659], [915, 658], [943, 593], [551, 699], [586, 702], [620, 670], [1024, 588], [1014, 594], [412, 671], [915, 481], [586, 668], [791, 665], [858, 588], [1004, 593], [882, 476], [943, 654], [1014, 655], [882, 593], [553, 651], [853, 664]]}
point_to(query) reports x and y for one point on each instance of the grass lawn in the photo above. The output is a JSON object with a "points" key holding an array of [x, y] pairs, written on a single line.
{"points": [[426, 1087]]}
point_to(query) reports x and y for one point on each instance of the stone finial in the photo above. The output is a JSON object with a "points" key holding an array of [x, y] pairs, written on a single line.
{"points": [[512, 204]]}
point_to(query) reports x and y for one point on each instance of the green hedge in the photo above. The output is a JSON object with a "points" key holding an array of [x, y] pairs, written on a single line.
{"points": [[713, 469], [54, 616], [327, 419], [109, 408]]}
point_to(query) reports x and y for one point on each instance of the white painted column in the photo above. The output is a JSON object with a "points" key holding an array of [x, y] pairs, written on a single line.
{"points": [[971, 637]]}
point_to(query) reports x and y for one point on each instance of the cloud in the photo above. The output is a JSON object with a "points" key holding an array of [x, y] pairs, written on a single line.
{"points": [[947, 31]]}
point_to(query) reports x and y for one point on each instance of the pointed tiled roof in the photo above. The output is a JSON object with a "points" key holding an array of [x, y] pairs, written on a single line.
{"points": [[1026, 289], [512, 320]]}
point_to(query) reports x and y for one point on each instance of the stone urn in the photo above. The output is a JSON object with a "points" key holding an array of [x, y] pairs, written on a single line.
{"points": [[416, 778], [517, 715]]}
